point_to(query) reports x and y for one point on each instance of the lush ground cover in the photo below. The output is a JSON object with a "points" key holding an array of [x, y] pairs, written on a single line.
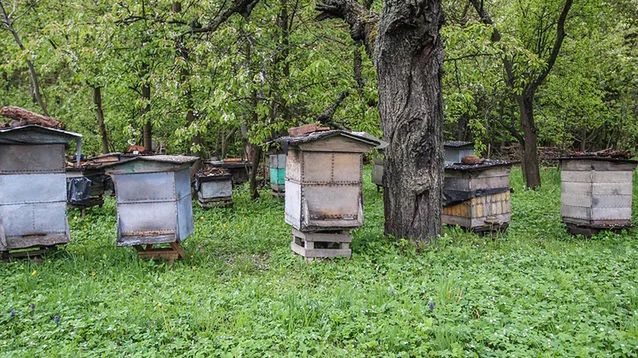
{"points": [[535, 291]]}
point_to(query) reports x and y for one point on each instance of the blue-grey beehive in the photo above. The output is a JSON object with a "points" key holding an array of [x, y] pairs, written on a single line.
{"points": [[455, 150], [154, 203], [33, 186]]}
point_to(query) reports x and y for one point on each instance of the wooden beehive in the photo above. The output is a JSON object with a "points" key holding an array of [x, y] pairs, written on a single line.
{"points": [[323, 186], [377, 173], [154, 204], [596, 193], [277, 174], [215, 190], [477, 197], [33, 187], [454, 151]]}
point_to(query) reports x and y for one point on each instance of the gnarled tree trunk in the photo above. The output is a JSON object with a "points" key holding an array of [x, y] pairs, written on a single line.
{"points": [[409, 58], [408, 53]]}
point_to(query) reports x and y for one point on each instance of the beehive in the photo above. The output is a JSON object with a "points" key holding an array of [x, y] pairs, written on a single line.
{"points": [[277, 164], [33, 187], [215, 190], [477, 197], [85, 187], [596, 193], [154, 204], [377, 173], [454, 151], [323, 190]]}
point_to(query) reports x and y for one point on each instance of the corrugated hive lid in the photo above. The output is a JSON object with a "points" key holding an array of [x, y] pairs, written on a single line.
{"points": [[316, 136], [458, 144], [150, 163], [34, 134]]}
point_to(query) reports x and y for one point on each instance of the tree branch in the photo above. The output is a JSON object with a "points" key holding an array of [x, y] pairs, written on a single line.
{"points": [[496, 37], [560, 36], [327, 116], [362, 22], [242, 7]]}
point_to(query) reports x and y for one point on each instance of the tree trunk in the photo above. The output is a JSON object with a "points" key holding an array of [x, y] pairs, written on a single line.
{"points": [[148, 125], [99, 114], [409, 58], [529, 146], [256, 154], [408, 54]]}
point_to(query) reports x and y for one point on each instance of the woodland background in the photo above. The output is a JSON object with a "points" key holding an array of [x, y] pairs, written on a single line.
{"points": [[159, 63]]}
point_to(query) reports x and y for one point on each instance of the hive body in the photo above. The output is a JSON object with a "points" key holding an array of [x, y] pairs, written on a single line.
{"points": [[215, 191], [323, 192], [477, 199], [596, 193], [154, 204], [277, 166], [33, 187]]}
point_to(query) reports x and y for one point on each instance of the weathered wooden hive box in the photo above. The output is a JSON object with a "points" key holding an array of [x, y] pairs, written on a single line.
{"points": [[154, 203], [277, 164], [324, 190], [454, 151], [377, 173], [596, 193], [33, 187], [214, 188], [477, 197], [239, 169]]}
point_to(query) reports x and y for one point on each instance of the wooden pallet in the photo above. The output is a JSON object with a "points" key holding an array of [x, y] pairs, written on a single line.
{"points": [[216, 203], [589, 231], [277, 194], [321, 244], [170, 254], [32, 253]]}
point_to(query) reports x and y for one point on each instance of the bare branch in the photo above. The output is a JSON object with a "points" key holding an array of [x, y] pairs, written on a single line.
{"points": [[242, 7], [560, 36], [362, 22]]}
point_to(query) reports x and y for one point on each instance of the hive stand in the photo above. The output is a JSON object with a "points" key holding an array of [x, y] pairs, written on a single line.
{"points": [[321, 244], [35, 253], [173, 252]]}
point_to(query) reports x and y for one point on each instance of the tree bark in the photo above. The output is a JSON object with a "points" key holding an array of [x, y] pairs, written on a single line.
{"points": [[99, 114], [256, 160], [409, 58], [148, 125], [408, 53], [33, 74], [529, 145]]}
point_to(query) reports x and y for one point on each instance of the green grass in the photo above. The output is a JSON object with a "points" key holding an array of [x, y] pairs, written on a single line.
{"points": [[535, 291]]}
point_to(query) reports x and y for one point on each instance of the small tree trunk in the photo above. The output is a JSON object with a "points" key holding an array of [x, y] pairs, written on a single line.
{"points": [[409, 58], [99, 114], [529, 146], [256, 154], [148, 125]]}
